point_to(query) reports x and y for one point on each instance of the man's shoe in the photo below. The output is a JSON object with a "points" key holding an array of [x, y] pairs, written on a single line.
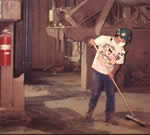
{"points": [[89, 117], [110, 118], [89, 114], [113, 122]]}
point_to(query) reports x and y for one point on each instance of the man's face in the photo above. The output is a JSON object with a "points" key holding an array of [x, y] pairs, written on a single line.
{"points": [[121, 39]]}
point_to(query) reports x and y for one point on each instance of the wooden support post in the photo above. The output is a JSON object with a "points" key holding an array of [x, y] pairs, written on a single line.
{"points": [[6, 88], [18, 92], [84, 66], [11, 89], [6, 80]]}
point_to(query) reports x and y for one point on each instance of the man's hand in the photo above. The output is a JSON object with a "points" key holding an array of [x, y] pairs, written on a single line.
{"points": [[116, 68], [91, 42]]}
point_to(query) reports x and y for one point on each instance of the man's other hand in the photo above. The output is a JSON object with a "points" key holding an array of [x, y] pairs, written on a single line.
{"points": [[111, 75], [91, 42]]}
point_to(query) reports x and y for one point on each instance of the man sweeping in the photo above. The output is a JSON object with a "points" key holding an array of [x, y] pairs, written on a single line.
{"points": [[110, 55]]}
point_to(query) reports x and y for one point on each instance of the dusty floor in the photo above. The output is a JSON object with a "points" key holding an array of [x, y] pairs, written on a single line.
{"points": [[57, 105]]}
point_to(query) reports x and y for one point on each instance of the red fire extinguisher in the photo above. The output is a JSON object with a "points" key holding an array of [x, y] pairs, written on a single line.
{"points": [[5, 48]]}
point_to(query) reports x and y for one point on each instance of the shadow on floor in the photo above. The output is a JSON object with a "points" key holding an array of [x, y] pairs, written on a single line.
{"points": [[60, 120]]}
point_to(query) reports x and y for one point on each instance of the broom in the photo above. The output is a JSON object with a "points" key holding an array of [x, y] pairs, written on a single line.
{"points": [[132, 116], [128, 117]]}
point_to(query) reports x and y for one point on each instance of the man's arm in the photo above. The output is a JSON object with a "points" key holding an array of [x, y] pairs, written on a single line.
{"points": [[116, 68], [97, 41]]}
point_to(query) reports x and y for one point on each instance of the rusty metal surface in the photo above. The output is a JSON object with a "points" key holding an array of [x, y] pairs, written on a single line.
{"points": [[84, 11], [124, 13]]}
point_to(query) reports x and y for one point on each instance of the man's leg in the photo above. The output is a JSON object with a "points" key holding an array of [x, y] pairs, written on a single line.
{"points": [[110, 102], [97, 87]]}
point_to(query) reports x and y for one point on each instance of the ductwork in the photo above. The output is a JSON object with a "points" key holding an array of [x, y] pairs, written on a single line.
{"points": [[134, 2]]}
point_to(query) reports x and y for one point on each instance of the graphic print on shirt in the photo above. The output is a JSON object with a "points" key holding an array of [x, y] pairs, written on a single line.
{"points": [[108, 54]]}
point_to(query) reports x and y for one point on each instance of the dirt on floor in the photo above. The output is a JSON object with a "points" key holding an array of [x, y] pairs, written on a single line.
{"points": [[56, 104]]}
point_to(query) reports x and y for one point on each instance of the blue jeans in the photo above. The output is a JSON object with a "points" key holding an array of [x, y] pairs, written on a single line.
{"points": [[100, 82]]}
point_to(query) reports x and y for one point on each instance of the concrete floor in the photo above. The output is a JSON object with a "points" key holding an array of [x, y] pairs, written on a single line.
{"points": [[57, 105]]}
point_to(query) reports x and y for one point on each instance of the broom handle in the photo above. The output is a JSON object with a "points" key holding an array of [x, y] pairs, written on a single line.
{"points": [[125, 101], [95, 48]]}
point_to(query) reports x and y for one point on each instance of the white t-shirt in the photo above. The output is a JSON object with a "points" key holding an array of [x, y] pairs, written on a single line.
{"points": [[108, 55]]}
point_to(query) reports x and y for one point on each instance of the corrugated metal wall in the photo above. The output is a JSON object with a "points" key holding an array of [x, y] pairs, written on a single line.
{"points": [[44, 51]]}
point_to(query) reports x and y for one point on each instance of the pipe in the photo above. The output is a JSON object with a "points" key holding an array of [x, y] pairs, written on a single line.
{"points": [[134, 2], [53, 4], [51, 11]]}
